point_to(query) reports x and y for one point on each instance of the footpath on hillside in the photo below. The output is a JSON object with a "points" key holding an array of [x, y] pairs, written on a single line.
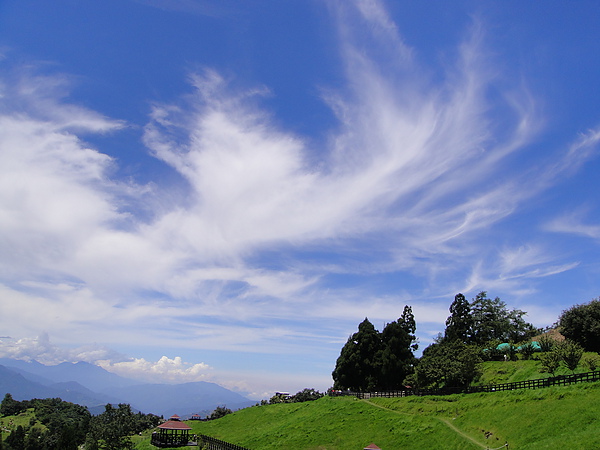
{"points": [[444, 421]]}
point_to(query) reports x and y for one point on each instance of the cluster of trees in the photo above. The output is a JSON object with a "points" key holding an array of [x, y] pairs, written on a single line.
{"points": [[473, 331], [377, 361], [112, 429], [218, 412], [485, 320], [305, 395], [60, 425], [373, 361]]}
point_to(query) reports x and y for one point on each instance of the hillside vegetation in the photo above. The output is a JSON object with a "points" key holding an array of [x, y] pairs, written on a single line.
{"points": [[557, 417], [497, 372]]}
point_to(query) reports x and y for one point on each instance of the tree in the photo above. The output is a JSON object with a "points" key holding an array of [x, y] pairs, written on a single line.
{"points": [[111, 429], [547, 342], [590, 362], [550, 361], [358, 366], [373, 361], [459, 325], [448, 365], [570, 353], [10, 406], [581, 323], [492, 320], [16, 439], [220, 411], [396, 356], [306, 395], [527, 350], [409, 325]]}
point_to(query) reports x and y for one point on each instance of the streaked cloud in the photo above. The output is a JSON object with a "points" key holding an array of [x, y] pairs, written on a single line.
{"points": [[241, 249]]}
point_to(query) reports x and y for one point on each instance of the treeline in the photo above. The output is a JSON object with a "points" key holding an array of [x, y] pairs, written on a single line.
{"points": [[476, 330], [59, 425], [305, 395]]}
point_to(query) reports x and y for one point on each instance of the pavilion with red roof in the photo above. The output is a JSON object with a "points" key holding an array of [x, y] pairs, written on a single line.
{"points": [[172, 433]]}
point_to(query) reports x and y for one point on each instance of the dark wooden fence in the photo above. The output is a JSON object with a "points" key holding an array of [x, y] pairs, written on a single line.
{"points": [[561, 380], [214, 444]]}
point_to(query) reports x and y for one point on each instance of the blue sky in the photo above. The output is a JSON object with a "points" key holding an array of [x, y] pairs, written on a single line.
{"points": [[222, 190]]}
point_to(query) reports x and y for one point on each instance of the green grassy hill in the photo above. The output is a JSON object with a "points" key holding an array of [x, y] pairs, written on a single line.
{"points": [[496, 372], [551, 418]]}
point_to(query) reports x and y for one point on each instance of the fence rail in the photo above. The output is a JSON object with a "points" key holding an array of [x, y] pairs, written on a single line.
{"points": [[211, 443], [561, 380]]}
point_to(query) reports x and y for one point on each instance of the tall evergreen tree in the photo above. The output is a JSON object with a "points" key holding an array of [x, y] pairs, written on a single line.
{"points": [[396, 356], [358, 366], [459, 325], [408, 324], [373, 361]]}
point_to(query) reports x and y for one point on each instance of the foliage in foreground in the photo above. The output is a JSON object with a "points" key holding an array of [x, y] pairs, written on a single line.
{"points": [[53, 424]]}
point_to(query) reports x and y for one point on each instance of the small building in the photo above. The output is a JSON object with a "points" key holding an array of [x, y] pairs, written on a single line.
{"points": [[172, 433], [372, 447]]}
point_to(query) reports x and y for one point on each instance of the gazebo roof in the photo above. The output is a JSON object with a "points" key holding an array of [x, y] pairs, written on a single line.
{"points": [[174, 425], [372, 447]]}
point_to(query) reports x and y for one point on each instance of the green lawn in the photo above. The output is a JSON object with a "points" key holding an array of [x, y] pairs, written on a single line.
{"points": [[496, 372], [551, 418]]}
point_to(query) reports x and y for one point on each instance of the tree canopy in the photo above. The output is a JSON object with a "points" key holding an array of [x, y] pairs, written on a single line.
{"points": [[484, 320], [371, 360], [448, 364], [581, 324]]}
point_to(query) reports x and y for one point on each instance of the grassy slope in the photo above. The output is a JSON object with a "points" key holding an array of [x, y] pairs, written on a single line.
{"points": [[558, 417], [331, 423], [495, 372]]}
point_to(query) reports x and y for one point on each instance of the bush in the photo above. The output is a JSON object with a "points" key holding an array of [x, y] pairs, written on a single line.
{"points": [[527, 350], [220, 411], [306, 395], [571, 353], [511, 352], [546, 343], [590, 362]]}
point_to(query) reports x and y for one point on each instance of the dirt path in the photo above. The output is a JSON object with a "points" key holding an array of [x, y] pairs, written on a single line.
{"points": [[444, 421]]}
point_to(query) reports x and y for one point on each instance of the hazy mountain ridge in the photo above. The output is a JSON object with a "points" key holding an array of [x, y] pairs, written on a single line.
{"points": [[92, 386]]}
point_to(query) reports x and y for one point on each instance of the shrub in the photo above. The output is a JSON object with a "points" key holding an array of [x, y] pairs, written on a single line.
{"points": [[550, 362], [511, 351], [527, 350], [571, 353], [590, 362], [546, 343]]}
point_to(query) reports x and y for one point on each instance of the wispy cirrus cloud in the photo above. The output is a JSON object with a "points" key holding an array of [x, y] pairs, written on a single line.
{"points": [[410, 182]]}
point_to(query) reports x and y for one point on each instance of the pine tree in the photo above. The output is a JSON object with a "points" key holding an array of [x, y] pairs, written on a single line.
{"points": [[358, 367], [459, 326]]}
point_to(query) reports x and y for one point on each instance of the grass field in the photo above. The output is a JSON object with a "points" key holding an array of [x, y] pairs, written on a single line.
{"points": [[551, 418], [496, 372]]}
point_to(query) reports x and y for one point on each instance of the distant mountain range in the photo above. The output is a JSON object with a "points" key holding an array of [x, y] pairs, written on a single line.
{"points": [[94, 387]]}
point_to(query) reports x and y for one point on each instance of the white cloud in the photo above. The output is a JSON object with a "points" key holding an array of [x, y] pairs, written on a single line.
{"points": [[410, 181], [575, 223], [43, 351], [164, 370]]}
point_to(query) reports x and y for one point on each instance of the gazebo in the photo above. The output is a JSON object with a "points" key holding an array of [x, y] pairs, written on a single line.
{"points": [[172, 433]]}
